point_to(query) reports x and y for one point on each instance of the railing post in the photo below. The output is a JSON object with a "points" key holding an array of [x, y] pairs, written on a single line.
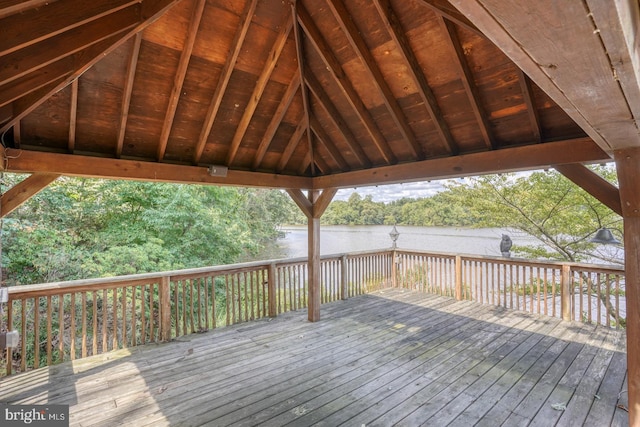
{"points": [[271, 291], [565, 292], [458, 273], [165, 308], [344, 283]]}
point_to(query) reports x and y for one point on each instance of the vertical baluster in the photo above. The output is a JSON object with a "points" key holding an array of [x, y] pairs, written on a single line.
{"points": [[95, 323], [49, 331], [104, 320], [84, 324], [589, 292], [36, 334], [61, 327], [214, 321], [199, 301], [152, 291], [192, 309], [143, 315], [228, 293], [125, 343], [8, 351], [553, 292], [72, 344], [617, 301], [176, 305], [23, 335], [598, 291], [114, 299], [185, 307], [607, 296], [134, 320]]}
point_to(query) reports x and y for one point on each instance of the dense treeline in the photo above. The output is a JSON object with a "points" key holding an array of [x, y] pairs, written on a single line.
{"points": [[83, 228]]}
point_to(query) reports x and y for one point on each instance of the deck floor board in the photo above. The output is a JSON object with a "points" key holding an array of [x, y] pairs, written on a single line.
{"points": [[389, 358]]}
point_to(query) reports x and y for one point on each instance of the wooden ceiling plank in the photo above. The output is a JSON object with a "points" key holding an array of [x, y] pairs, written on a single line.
{"points": [[302, 72], [446, 10], [178, 80], [24, 61], [466, 76], [292, 144], [225, 76], [13, 198], [532, 111], [607, 193], [150, 12], [328, 144], [40, 23], [333, 65], [394, 27], [563, 50], [29, 161], [73, 116], [364, 54], [316, 87], [261, 84], [528, 157], [276, 119], [132, 64]]}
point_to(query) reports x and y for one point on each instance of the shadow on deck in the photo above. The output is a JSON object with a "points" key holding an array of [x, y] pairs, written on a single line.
{"points": [[392, 357]]}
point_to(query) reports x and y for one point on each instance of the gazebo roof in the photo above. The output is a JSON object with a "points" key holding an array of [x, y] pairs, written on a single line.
{"points": [[313, 94]]}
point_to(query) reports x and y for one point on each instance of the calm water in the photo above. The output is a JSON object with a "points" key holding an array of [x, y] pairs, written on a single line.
{"points": [[339, 239]]}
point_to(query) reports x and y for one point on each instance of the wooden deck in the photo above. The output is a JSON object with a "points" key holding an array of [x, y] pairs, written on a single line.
{"points": [[394, 357]]}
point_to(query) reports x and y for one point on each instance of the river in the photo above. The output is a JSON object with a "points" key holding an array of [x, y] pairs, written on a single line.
{"points": [[341, 238]]}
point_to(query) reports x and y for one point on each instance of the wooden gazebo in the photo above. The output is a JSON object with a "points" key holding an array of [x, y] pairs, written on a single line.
{"points": [[319, 95]]}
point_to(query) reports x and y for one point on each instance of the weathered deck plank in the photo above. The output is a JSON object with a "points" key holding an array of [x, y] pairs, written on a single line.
{"points": [[396, 357]]}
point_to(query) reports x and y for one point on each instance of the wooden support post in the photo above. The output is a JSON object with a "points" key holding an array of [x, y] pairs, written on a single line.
{"points": [[628, 168], [458, 277], [165, 308], [271, 291], [565, 292], [344, 278]]}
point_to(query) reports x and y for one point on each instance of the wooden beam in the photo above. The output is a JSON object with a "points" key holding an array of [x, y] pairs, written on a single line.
{"points": [[466, 76], [446, 10], [13, 198], [132, 64], [12, 7], [181, 73], [301, 201], [292, 144], [361, 49], [24, 61], [593, 184], [322, 202], [333, 65], [261, 84], [276, 119], [99, 167], [628, 169], [528, 157], [149, 12], [532, 111], [225, 76], [73, 116], [567, 48], [394, 27], [336, 118], [328, 144]]}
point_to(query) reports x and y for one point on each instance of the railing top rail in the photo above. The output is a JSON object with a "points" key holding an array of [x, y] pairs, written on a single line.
{"points": [[147, 278]]}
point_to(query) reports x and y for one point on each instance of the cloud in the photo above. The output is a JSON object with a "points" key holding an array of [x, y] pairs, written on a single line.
{"points": [[391, 192]]}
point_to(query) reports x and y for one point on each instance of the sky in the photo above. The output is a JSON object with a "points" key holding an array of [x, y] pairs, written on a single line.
{"points": [[391, 192]]}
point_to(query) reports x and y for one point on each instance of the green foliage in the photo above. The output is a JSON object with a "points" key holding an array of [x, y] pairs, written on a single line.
{"points": [[82, 228]]}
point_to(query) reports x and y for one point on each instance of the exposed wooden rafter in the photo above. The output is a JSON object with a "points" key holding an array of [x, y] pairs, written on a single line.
{"points": [[73, 116], [297, 34], [181, 73], [470, 87], [128, 88], [324, 138], [325, 102], [359, 45], [261, 84], [532, 111], [333, 65], [225, 76], [394, 27], [445, 9], [292, 144], [29, 91], [270, 132]]}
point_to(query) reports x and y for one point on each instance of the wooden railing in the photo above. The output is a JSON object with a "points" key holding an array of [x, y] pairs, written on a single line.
{"points": [[71, 320]]}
